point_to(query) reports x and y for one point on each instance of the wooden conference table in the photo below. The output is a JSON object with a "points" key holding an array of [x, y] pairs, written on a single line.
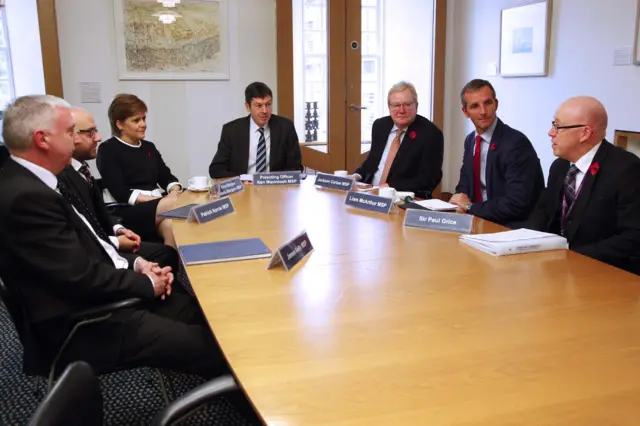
{"points": [[382, 325]]}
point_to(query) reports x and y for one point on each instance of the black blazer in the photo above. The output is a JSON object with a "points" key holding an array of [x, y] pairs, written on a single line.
{"points": [[91, 197], [48, 255], [418, 163], [232, 157], [4, 154], [514, 177], [605, 221]]}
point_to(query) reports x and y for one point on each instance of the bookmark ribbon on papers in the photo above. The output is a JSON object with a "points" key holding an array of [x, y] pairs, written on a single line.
{"points": [[438, 221], [276, 178], [369, 202], [328, 181], [207, 212], [290, 254]]}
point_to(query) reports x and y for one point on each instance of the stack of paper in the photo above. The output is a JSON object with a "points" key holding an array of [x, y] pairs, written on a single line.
{"points": [[436, 205], [514, 242]]}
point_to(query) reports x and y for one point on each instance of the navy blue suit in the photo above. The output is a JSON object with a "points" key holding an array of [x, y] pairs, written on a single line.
{"points": [[513, 178]]}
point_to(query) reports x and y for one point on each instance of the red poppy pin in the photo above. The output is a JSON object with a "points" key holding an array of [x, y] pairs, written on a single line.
{"points": [[149, 154], [594, 168], [412, 134], [493, 147]]}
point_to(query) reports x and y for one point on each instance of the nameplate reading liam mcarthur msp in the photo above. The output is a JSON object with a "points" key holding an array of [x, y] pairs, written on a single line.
{"points": [[369, 202], [276, 178], [292, 252], [439, 221], [340, 183], [230, 186], [207, 212]]}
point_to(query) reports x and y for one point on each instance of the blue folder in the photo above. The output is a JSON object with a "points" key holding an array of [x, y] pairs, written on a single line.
{"points": [[224, 251]]}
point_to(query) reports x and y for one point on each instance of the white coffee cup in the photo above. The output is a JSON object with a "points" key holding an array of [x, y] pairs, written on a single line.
{"points": [[342, 173], [387, 192], [199, 182]]}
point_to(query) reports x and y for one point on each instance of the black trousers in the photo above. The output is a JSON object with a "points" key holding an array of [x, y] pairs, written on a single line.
{"points": [[170, 334]]}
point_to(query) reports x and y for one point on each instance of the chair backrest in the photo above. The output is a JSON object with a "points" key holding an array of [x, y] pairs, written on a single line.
{"points": [[32, 361], [192, 401], [75, 399]]}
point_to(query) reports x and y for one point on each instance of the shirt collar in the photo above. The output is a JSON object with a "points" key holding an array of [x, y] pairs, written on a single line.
{"points": [[128, 144], [253, 127], [585, 161], [41, 173], [76, 164], [488, 134]]}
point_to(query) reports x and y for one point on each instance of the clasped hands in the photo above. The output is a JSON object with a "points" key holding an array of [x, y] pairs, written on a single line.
{"points": [[162, 277]]}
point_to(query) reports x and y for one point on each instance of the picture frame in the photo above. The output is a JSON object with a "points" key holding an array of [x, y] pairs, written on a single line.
{"points": [[525, 33], [192, 45], [636, 41]]}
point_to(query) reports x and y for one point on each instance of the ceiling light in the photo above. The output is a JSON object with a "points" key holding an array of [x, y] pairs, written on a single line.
{"points": [[169, 3]]}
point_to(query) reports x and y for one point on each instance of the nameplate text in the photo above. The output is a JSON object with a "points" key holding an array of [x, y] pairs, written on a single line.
{"points": [[230, 186], [369, 202], [207, 212], [439, 221], [340, 183], [276, 178], [290, 254]]}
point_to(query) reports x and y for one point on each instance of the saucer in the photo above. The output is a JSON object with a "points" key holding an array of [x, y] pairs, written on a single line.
{"points": [[193, 189]]}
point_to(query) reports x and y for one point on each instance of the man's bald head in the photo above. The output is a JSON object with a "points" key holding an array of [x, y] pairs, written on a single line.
{"points": [[87, 137], [580, 124]]}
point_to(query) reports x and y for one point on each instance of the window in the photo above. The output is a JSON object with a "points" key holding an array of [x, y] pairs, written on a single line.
{"points": [[6, 75]]}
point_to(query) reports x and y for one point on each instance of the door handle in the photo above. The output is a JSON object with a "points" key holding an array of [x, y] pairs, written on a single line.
{"points": [[353, 107]]}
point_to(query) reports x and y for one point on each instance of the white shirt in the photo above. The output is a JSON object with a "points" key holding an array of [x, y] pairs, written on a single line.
{"points": [[136, 192], [76, 166], [484, 151], [584, 163], [254, 139], [51, 181], [385, 153]]}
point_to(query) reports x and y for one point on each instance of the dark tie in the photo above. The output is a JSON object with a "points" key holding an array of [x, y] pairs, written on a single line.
{"points": [[82, 208], [261, 156], [570, 185], [477, 184], [84, 171]]}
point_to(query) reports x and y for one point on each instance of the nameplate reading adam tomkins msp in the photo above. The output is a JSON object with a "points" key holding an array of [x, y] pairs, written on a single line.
{"points": [[340, 183], [207, 212], [276, 178], [439, 221], [369, 202]]}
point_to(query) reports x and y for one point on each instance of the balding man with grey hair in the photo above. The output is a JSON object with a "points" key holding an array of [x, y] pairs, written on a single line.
{"points": [[57, 264], [593, 191], [406, 148]]}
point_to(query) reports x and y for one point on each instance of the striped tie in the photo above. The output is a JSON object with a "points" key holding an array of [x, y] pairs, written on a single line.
{"points": [[261, 156]]}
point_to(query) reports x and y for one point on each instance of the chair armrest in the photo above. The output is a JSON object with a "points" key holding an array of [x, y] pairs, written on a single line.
{"points": [[105, 309], [194, 400]]}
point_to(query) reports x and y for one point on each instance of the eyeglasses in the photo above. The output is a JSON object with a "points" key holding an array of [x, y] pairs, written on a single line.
{"points": [[556, 127], [406, 105], [90, 132]]}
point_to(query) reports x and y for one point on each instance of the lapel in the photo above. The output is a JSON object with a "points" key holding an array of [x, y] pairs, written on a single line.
{"points": [[491, 155], [584, 196], [243, 146], [274, 134]]}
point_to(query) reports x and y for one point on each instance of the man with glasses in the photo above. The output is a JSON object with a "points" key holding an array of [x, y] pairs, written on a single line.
{"points": [[83, 193], [500, 178], [593, 191], [406, 148]]}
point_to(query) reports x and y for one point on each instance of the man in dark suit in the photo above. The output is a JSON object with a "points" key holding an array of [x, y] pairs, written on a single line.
{"points": [[406, 148], [501, 178], [260, 142], [86, 197], [593, 191], [4, 154], [57, 265]]}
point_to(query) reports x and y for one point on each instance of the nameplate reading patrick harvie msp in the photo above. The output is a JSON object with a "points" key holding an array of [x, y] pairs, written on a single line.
{"points": [[276, 178], [439, 221], [207, 212], [340, 183], [292, 252], [369, 202], [229, 186]]}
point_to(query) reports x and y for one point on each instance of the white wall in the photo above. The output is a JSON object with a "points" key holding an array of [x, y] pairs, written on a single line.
{"points": [[24, 41], [584, 35], [185, 117]]}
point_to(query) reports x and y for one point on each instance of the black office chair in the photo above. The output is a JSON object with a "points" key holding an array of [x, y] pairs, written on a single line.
{"points": [[35, 363], [75, 400]]}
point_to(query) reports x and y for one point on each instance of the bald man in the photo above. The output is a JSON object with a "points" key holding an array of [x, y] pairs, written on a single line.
{"points": [[87, 198], [593, 191]]}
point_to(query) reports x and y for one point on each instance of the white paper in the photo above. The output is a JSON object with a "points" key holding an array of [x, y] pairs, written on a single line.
{"points": [[246, 178], [515, 242], [436, 205], [507, 236]]}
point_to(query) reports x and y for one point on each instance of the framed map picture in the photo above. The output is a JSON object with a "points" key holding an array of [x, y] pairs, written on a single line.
{"points": [[185, 42]]}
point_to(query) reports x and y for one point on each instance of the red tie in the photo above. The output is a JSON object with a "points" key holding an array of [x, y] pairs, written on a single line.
{"points": [[477, 187]]}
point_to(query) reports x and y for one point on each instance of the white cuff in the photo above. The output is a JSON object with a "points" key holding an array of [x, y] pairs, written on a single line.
{"points": [[152, 283], [134, 197], [115, 242], [116, 227], [171, 185], [135, 263]]}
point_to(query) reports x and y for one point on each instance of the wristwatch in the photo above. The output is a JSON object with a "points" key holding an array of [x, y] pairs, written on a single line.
{"points": [[468, 206]]}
